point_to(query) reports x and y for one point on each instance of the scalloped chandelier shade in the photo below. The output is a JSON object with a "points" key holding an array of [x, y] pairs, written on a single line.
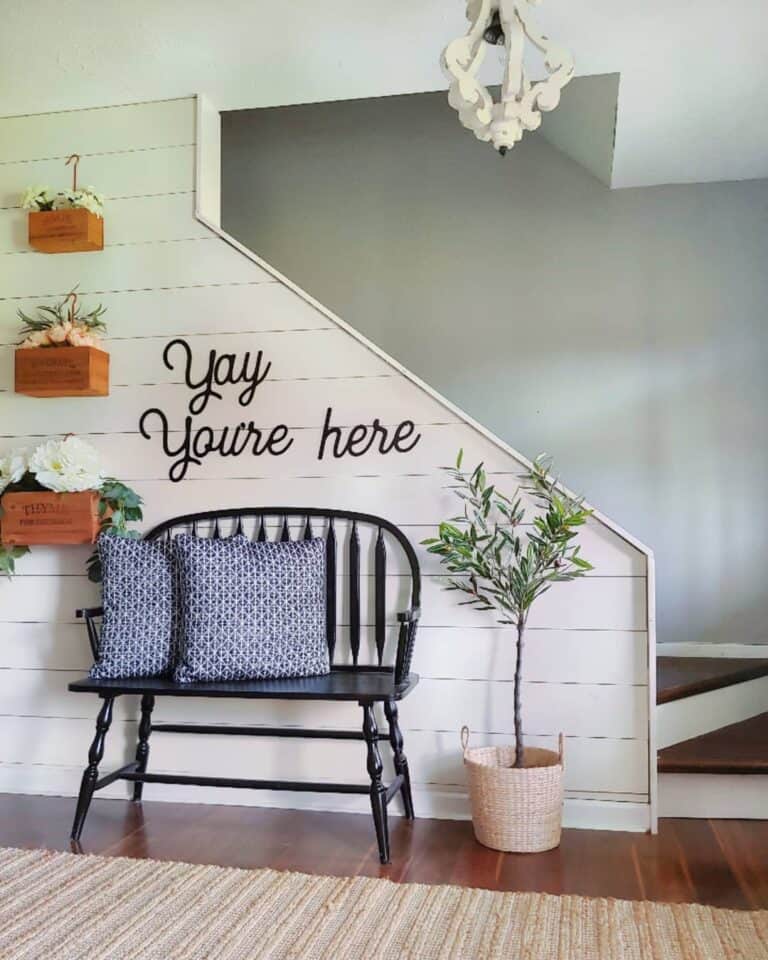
{"points": [[508, 23]]}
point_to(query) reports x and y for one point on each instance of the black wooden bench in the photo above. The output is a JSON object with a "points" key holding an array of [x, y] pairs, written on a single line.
{"points": [[364, 683]]}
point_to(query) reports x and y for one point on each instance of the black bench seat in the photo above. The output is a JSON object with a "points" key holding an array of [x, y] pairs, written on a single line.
{"points": [[367, 684], [359, 686]]}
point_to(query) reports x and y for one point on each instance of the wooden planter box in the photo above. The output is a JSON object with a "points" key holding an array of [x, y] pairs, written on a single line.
{"points": [[65, 231], [32, 519], [62, 372]]}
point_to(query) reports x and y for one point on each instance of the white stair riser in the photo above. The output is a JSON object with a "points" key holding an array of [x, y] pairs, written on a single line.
{"points": [[692, 716], [713, 796]]}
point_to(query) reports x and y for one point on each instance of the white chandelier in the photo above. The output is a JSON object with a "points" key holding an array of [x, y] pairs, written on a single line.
{"points": [[508, 23]]}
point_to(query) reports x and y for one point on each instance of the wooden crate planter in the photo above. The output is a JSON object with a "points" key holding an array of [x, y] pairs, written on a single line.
{"points": [[62, 372], [32, 519], [66, 231]]}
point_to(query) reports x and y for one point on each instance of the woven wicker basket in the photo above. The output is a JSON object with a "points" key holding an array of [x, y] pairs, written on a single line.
{"points": [[518, 810]]}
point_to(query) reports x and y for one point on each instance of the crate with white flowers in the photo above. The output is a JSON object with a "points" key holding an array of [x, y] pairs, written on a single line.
{"points": [[65, 221]]}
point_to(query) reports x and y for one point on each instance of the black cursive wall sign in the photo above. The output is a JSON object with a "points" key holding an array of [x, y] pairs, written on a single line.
{"points": [[196, 444], [358, 440], [221, 371], [192, 444]]}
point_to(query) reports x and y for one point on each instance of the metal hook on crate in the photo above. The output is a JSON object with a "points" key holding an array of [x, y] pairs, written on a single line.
{"points": [[72, 296], [76, 158]]}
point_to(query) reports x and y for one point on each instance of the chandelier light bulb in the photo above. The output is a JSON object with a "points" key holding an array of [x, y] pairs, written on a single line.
{"points": [[507, 23]]}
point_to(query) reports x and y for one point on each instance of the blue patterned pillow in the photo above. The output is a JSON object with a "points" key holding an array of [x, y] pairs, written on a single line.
{"points": [[251, 610], [139, 632]]}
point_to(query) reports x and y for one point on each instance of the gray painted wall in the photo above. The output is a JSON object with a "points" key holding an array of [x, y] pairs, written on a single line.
{"points": [[624, 332]]}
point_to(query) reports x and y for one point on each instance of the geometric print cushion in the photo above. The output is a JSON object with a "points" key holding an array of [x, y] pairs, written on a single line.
{"points": [[139, 631], [251, 610]]}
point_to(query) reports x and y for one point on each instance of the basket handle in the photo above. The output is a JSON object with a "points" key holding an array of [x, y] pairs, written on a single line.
{"points": [[464, 738], [561, 749]]}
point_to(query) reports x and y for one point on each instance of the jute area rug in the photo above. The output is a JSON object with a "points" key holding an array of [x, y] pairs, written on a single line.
{"points": [[59, 906]]}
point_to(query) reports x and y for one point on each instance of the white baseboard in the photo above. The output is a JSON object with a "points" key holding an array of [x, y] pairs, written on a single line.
{"points": [[692, 716], [690, 649], [710, 796], [430, 801]]}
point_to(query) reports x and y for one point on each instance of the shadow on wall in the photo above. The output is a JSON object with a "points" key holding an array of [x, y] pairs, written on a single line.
{"points": [[622, 331]]}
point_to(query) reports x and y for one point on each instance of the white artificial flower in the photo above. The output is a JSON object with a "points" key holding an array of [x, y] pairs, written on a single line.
{"points": [[89, 199], [13, 466], [33, 196], [67, 466], [63, 200]]}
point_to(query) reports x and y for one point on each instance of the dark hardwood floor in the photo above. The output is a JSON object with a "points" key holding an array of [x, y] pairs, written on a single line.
{"points": [[721, 862]]}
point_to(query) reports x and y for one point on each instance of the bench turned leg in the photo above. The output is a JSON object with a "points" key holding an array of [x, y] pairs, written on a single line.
{"points": [[401, 763], [91, 773], [378, 790], [142, 750]]}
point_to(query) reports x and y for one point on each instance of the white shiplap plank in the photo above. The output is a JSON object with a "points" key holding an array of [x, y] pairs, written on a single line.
{"points": [[592, 766], [163, 123], [143, 266], [36, 646], [354, 399], [594, 603], [132, 456], [554, 656], [133, 173], [185, 310], [308, 354], [134, 220], [611, 558], [577, 710]]}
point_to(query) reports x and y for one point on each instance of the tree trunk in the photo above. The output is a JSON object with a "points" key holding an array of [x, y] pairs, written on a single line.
{"points": [[518, 706]]}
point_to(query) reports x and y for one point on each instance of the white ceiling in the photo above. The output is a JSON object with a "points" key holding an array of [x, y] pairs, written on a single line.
{"points": [[694, 75]]}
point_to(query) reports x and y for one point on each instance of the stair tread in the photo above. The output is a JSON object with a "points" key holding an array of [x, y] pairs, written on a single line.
{"points": [[738, 748], [678, 677]]}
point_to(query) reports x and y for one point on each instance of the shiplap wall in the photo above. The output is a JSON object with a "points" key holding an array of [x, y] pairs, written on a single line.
{"points": [[164, 273]]}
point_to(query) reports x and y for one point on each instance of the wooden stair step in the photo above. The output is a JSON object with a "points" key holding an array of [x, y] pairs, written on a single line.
{"points": [[738, 748], [678, 677]]}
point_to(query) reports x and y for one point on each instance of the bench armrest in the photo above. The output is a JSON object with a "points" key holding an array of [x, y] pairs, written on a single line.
{"points": [[90, 614], [409, 621]]}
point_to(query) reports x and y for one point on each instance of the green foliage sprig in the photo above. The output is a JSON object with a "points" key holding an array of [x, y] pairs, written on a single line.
{"points": [[67, 310], [118, 506], [8, 558], [501, 565]]}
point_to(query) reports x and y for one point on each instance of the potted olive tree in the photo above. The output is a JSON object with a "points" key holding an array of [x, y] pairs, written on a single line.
{"points": [[503, 563]]}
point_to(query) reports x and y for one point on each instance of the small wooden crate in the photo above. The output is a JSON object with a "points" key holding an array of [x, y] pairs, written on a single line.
{"points": [[65, 231], [32, 519], [62, 372]]}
